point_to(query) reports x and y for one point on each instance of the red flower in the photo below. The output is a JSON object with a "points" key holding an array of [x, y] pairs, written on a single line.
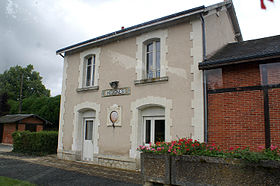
{"points": [[273, 147], [261, 147], [181, 140]]}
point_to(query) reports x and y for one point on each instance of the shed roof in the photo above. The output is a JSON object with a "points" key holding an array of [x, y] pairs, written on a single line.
{"points": [[18, 117], [245, 51]]}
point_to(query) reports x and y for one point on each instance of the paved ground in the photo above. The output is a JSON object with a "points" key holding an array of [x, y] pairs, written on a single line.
{"points": [[49, 170], [5, 148], [44, 175]]}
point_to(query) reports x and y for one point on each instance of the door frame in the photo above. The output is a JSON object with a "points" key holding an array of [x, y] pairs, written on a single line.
{"points": [[84, 135]]}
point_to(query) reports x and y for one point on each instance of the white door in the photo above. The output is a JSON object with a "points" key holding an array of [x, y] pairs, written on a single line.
{"points": [[88, 139], [154, 129]]}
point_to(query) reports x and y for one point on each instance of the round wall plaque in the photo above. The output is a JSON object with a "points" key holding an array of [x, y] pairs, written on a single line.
{"points": [[114, 116]]}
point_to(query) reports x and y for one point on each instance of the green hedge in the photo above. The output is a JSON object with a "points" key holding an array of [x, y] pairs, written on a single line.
{"points": [[37, 143]]}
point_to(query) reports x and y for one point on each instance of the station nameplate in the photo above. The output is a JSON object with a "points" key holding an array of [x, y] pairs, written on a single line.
{"points": [[116, 92]]}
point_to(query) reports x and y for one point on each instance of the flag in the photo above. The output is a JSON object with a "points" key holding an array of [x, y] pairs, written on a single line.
{"points": [[263, 5]]}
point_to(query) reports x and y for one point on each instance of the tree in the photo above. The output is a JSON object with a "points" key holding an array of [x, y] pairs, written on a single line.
{"points": [[10, 82], [4, 106], [45, 107]]}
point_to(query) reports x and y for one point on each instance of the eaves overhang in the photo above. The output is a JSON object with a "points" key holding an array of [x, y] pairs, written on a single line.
{"points": [[133, 29], [13, 118], [212, 64], [234, 21], [159, 23]]}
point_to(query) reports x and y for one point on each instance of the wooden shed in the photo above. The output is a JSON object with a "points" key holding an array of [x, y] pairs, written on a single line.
{"points": [[20, 122]]}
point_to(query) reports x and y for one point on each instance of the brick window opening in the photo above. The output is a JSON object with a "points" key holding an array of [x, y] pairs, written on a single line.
{"points": [[30, 127]]}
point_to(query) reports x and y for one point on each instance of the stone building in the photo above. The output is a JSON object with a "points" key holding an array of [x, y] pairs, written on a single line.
{"points": [[139, 85]]}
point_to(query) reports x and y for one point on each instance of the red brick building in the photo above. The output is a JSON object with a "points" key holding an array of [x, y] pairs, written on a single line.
{"points": [[20, 122], [242, 83]]}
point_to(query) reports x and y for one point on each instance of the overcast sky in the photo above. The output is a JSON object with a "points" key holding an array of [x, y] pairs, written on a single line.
{"points": [[32, 30]]}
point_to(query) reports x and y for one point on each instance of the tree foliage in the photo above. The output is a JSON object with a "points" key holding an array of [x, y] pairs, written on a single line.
{"points": [[4, 106], [10, 82], [45, 107]]}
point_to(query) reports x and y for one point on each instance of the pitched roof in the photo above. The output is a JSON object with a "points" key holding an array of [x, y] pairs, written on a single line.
{"points": [[129, 29], [18, 117], [154, 24], [245, 51]]}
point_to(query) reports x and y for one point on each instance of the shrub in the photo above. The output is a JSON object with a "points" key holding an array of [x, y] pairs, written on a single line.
{"points": [[186, 146], [37, 143]]}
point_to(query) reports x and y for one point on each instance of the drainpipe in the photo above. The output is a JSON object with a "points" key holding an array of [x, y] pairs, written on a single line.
{"points": [[205, 95]]}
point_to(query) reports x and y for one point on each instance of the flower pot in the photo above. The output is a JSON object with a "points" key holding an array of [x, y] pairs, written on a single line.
{"points": [[201, 170], [155, 168]]}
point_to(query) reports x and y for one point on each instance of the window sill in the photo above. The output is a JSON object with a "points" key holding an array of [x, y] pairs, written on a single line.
{"points": [[94, 88], [148, 81]]}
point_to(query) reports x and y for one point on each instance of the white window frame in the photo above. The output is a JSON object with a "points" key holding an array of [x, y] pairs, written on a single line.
{"points": [[84, 128], [140, 67], [82, 68], [152, 134], [154, 58], [92, 71]]}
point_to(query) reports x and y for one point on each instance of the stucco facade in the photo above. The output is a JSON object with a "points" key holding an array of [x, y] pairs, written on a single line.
{"points": [[176, 96]]}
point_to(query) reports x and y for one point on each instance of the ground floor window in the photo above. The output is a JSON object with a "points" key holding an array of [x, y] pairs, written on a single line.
{"points": [[30, 127], [154, 129], [88, 129]]}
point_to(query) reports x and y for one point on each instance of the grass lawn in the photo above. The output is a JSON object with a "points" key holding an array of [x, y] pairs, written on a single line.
{"points": [[9, 181]]}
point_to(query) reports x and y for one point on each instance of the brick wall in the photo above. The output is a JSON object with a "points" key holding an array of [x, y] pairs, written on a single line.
{"points": [[241, 76], [32, 121], [21, 127], [236, 117], [8, 129], [39, 128], [274, 110]]}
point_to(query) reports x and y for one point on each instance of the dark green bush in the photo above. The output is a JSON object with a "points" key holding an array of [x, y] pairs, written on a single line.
{"points": [[36, 143]]}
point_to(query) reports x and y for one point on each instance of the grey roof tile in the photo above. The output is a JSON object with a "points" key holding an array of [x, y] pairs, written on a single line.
{"points": [[18, 117], [245, 50]]}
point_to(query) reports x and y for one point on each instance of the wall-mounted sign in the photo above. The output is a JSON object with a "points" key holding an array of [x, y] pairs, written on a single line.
{"points": [[114, 115], [116, 92]]}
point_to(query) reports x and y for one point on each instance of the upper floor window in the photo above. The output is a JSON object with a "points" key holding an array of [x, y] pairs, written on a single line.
{"points": [[151, 57], [90, 70], [152, 54]]}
